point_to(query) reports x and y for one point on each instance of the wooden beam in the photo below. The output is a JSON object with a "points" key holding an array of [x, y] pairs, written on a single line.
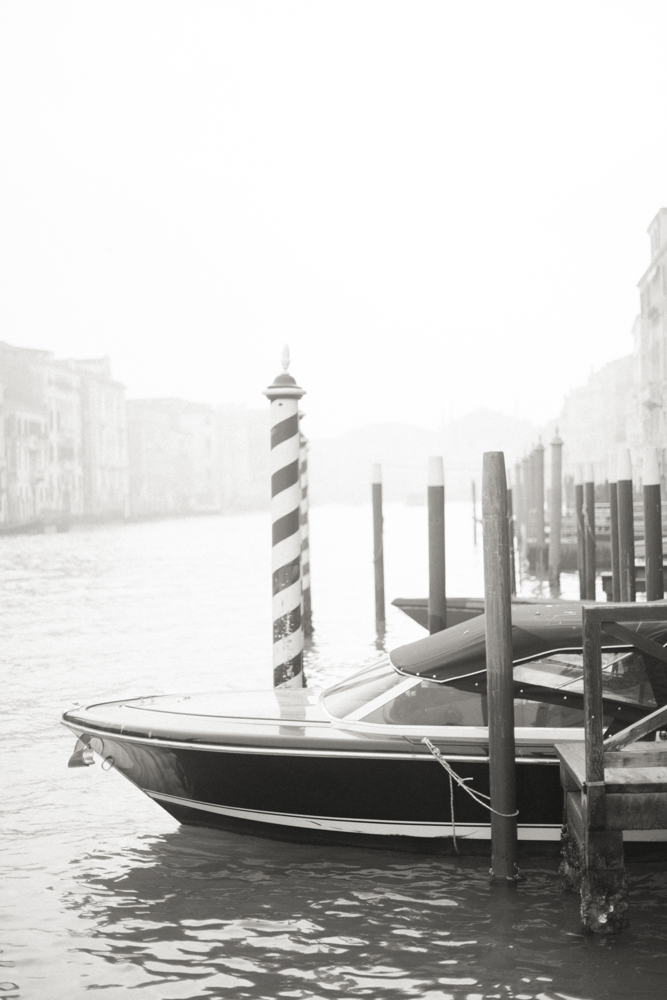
{"points": [[627, 612], [636, 639], [638, 729]]}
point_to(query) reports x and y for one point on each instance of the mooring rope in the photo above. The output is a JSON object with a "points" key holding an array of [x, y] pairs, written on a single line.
{"points": [[461, 782]]}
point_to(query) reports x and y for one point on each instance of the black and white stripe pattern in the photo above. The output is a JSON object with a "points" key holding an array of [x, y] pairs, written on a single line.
{"points": [[284, 394], [305, 539]]}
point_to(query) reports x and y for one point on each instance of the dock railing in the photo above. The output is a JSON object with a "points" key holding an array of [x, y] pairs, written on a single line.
{"points": [[612, 784]]}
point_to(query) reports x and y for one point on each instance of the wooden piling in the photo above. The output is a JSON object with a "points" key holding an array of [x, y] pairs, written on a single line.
{"points": [[500, 682], [581, 536], [626, 525], [655, 590], [589, 533], [378, 542], [540, 546], [437, 601], [555, 514], [613, 533]]}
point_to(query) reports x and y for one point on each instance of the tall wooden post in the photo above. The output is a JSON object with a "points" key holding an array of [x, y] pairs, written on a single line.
{"points": [[613, 533], [500, 680], [284, 395], [437, 601], [589, 532], [540, 547], [555, 514], [378, 542], [655, 589], [626, 525], [581, 536]]}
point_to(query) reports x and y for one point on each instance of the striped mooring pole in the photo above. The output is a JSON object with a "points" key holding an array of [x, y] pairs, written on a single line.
{"points": [[305, 537], [284, 395]]}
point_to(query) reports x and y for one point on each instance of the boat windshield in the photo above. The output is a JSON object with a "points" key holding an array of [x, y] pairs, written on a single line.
{"points": [[548, 693]]}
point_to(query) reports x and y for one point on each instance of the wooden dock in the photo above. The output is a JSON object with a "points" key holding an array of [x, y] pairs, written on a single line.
{"points": [[616, 784]]}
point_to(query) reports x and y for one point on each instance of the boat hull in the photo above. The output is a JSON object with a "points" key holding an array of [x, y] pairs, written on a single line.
{"points": [[365, 795]]}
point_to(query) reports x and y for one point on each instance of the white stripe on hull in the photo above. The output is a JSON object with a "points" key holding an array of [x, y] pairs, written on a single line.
{"points": [[384, 828]]}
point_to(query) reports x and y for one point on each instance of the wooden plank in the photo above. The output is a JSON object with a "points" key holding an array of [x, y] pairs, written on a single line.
{"points": [[643, 811], [636, 758], [573, 759], [635, 780], [636, 639], [604, 613], [638, 729]]}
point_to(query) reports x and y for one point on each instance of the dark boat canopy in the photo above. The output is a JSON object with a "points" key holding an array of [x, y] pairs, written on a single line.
{"points": [[536, 629]]}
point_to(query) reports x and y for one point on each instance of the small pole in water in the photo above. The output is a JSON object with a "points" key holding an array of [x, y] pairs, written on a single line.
{"points": [[378, 542], [589, 525], [655, 590], [613, 533], [284, 395], [305, 536], [581, 536], [555, 514], [500, 679], [437, 600], [474, 513], [626, 525]]}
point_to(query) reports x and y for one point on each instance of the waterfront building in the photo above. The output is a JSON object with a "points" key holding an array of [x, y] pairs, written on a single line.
{"points": [[650, 336], [104, 440], [172, 457], [243, 451]]}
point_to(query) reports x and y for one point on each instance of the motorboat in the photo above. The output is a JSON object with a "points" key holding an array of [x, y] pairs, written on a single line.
{"points": [[362, 762]]}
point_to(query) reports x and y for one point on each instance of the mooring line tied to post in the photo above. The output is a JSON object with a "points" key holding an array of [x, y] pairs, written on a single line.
{"points": [[479, 797]]}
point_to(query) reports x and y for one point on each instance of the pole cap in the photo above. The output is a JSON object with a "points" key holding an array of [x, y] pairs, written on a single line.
{"points": [[284, 385], [650, 467], [556, 440], [436, 471]]}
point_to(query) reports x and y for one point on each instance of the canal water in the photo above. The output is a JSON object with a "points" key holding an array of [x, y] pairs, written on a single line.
{"points": [[103, 893]]}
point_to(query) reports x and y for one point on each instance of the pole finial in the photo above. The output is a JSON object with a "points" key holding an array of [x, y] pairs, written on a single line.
{"points": [[285, 359]]}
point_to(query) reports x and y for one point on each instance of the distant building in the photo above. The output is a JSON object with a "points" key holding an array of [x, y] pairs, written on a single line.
{"points": [[650, 334], [243, 450], [172, 457]]}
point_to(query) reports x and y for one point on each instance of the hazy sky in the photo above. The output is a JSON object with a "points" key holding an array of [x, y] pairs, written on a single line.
{"points": [[438, 205]]}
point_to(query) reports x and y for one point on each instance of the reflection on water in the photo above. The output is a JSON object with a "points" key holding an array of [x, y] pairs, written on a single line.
{"points": [[102, 892]]}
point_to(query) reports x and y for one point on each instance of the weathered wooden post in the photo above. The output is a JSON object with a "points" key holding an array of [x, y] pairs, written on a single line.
{"points": [[500, 680], [284, 395], [305, 537], [540, 546], [378, 542], [655, 589], [613, 533], [581, 536], [437, 600], [555, 514], [626, 525], [589, 532]]}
